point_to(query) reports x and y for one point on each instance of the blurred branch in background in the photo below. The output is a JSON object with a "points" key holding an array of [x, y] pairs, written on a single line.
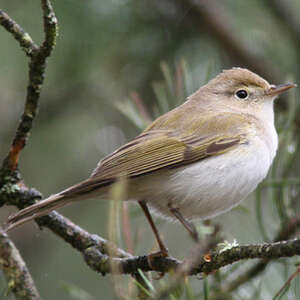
{"points": [[287, 17], [208, 14]]}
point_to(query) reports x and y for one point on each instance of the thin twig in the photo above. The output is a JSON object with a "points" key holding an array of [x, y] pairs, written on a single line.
{"points": [[288, 282], [18, 278], [19, 34], [50, 29], [287, 232], [37, 67]]}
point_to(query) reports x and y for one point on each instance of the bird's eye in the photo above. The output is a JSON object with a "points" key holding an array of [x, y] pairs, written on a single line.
{"points": [[241, 94]]}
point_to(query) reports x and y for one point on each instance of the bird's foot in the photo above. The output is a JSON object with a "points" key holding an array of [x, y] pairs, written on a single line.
{"points": [[152, 257]]}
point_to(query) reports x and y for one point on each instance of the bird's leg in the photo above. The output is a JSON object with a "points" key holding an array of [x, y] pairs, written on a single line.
{"points": [[190, 227], [162, 247]]}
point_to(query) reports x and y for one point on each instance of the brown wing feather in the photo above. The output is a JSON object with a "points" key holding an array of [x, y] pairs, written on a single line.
{"points": [[174, 140], [160, 147], [143, 155], [159, 152]]}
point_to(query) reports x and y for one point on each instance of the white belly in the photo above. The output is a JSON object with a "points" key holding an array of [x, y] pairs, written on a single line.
{"points": [[210, 186]]}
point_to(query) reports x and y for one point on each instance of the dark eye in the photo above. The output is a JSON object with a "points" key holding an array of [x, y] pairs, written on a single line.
{"points": [[241, 94]]}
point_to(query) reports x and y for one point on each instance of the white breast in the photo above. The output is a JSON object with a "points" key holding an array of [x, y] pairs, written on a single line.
{"points": [[213, 185]]}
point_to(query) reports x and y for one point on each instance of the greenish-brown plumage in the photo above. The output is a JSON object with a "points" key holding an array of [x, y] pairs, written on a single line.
{"points": [[164, 144], [161, 146]]}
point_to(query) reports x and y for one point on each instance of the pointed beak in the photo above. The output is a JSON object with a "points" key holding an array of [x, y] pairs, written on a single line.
{"points": [[278, 89]]}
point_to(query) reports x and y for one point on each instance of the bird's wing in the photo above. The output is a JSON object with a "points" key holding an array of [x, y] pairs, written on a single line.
{"points": [[160, 147]]}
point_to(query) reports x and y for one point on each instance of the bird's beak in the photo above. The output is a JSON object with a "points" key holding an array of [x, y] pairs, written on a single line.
{"points": [[278, 89]]}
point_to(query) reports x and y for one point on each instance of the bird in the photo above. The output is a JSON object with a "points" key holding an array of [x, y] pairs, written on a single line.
{"points": [[197, 161]]}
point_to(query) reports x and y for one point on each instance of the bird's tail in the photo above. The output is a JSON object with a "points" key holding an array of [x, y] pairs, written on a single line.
{"points": [[82, 190], [36, 210]]}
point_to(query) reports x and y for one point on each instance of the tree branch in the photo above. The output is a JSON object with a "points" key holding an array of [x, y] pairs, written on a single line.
{"points": [[37, 65], [104, 264], [18, 278], [19, 34], [285, 233], [21, 196], [96, 249]]}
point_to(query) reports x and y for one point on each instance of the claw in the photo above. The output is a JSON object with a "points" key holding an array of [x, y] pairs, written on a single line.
{"points": [[152, 256]]}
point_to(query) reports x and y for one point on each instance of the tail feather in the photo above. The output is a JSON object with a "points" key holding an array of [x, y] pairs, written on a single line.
{"points": [[39, 209], [82, 190]]}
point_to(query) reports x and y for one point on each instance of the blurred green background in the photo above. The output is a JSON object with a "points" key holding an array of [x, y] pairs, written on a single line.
{"points": [[108, 54]]}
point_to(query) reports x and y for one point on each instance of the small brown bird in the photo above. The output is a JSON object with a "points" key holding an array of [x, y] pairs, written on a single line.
{"points": [[196, 161]]}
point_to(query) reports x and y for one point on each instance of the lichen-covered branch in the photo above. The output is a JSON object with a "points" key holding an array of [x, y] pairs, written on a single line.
{"points": [[12, 191], [20, 196], [286, 232], [104, 264], [265, 251], [37, 65], [77, 237], [50, 29], [19, 34], [18, 278]]}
